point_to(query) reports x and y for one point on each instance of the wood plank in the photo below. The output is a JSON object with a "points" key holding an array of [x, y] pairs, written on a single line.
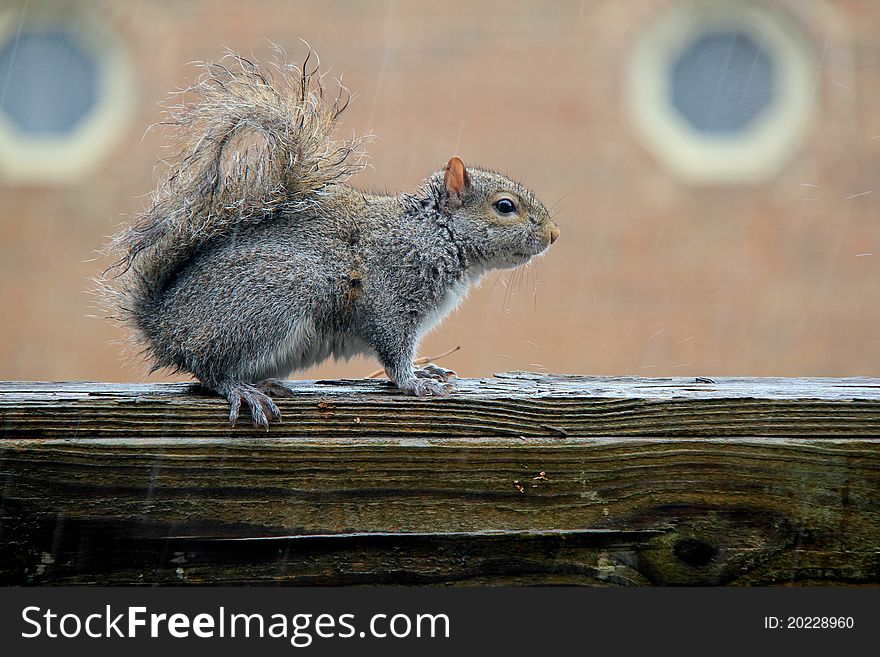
{"points": [[518, 479], [394, 510], [514, 404]]}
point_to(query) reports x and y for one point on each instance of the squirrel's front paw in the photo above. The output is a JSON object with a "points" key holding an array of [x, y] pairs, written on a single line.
{"points": [[431, 371], [427, 387]]}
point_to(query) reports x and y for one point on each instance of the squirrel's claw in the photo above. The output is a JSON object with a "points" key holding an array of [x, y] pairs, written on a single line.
{"points": [[431, 371], [263, 409]]}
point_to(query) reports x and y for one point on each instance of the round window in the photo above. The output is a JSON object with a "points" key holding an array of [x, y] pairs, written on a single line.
{"points": [[721, 91], [49, 82], [65, 92], [722, 82]]}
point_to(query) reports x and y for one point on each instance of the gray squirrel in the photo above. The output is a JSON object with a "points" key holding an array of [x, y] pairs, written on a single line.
{"points": [[255, 259]]}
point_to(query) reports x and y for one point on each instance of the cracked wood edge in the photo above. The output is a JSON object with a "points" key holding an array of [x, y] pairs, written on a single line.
{"points": [[511, 405]]}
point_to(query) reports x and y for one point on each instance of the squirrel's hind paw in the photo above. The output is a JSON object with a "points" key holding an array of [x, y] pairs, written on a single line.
{"points": [[263, 409]]}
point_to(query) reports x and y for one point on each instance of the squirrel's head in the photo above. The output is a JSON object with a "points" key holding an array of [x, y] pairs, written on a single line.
{"points": [[499, 222]]}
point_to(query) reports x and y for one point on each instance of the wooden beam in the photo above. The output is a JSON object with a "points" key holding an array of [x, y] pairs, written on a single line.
{"points": [[517, 479], [513, 404]]}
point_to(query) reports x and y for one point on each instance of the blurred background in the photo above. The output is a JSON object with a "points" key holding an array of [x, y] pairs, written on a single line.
{"points": [[713, 166]]}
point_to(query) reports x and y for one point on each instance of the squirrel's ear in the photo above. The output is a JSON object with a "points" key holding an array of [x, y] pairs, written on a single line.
{"points": [[456, 177]]}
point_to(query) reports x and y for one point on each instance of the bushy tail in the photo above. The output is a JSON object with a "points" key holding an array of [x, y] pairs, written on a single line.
{"points": [[249, 139]]}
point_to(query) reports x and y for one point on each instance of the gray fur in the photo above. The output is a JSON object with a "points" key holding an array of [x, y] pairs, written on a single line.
{"points": [[322, 271]]}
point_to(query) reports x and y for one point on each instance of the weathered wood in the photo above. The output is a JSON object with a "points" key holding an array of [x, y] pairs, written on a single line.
{"points": [[513, 404], [519, 479]]}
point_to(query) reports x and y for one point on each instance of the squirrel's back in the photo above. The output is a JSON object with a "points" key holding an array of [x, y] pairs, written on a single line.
{"points": [[293, 290]]}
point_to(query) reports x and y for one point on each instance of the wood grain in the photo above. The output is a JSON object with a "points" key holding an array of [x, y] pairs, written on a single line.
{"points": [[514, 404], [636, 482]]}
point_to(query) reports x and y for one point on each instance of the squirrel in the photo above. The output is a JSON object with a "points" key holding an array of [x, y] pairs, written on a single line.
{"points": [[254, 257]]}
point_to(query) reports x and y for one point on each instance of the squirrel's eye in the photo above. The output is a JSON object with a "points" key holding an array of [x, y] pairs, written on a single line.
{"points": [[505, 206]]}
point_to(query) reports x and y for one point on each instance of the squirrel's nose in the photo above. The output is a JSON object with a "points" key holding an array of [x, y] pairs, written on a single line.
{"points": [[554, 234]]}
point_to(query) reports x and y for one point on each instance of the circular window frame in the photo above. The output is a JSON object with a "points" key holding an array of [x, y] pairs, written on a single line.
{"points": [[768, 142], [28, 157]]}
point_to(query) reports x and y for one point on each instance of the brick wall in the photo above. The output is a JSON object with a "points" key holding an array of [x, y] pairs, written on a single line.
{"points": [[652, 275]]}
